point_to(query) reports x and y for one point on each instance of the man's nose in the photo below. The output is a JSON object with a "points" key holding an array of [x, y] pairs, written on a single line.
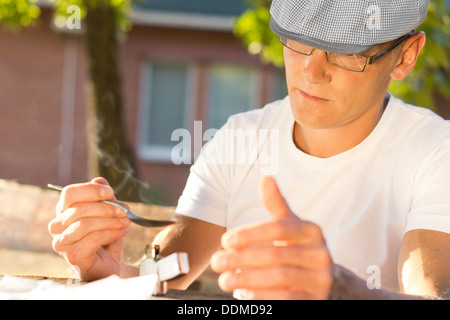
{"points": [[316, 67]]}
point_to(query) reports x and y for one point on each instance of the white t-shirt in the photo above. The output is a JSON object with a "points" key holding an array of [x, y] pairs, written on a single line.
{"points": [[364, 200]]}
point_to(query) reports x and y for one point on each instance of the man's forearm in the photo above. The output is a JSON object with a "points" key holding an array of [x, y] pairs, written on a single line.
{"points": [[348, 286]]}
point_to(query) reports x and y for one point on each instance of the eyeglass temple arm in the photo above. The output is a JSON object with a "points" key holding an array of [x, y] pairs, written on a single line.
{"points": [[386, 50]]}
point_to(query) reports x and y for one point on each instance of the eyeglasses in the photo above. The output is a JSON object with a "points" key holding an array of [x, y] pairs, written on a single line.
{"points": [[350, 62]]}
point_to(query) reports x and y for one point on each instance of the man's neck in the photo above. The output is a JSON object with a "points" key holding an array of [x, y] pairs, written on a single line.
{"points": [[328, 142]]}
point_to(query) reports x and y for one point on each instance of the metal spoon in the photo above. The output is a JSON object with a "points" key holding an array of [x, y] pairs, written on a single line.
{"points": [[130, 215]]}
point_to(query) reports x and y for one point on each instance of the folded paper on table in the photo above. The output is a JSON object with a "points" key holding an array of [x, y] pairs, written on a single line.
{"points": [[110, 288]]}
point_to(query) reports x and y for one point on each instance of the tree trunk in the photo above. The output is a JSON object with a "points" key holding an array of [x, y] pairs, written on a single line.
{"points": [[111, 155]]}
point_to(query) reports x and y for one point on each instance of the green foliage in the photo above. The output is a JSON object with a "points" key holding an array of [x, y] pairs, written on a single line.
{"points": [[430, 77], [121, 7], [253, 28], [18, 13], [22, 13]]}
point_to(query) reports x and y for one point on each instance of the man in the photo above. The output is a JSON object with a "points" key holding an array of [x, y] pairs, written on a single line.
{"points": [[359, 205]]}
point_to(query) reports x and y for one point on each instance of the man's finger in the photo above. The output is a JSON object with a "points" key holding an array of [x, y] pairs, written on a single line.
{"points": [[266, 256], [84, 192], [103, 181], [83, 211], [285, 277], [273, 200], [277, 232]]}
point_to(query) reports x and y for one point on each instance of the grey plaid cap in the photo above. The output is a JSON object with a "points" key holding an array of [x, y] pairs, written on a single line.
{"points": [[346, 26]]}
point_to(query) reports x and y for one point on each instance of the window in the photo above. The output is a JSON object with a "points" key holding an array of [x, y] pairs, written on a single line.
{"points": [[165, 107], [233, 89], [169, 95]]}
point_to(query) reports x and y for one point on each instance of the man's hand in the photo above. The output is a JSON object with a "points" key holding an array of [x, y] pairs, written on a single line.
{"points": [[284, 258], [89, 233]]}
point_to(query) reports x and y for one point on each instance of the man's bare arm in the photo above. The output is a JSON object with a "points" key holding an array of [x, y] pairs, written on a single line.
{"points": [[423, 271], [424, 263], [199, 239], [348, 286]]}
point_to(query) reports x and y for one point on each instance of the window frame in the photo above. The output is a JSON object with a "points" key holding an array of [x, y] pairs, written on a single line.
{"points": [[152, 152]]}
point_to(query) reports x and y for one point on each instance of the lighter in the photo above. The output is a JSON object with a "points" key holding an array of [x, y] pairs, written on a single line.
{"points": [[165, 268]]}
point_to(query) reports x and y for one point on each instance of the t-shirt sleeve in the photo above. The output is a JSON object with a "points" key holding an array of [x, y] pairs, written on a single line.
{"points": [[207, 189], [431, 199]]}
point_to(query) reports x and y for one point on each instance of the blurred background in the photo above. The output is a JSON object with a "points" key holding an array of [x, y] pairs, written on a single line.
{"points": [[91, 88]]}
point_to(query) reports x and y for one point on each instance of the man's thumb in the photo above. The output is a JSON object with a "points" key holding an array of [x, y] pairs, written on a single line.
{"points": [[273, 200]]}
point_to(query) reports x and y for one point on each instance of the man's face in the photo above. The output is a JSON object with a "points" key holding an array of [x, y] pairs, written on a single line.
{"points": [[323, 96]]}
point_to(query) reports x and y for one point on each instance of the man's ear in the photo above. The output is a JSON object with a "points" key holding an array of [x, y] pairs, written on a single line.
{"points": [[408, 55]]}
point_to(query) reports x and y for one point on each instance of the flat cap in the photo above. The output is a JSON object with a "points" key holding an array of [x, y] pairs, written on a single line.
{"points": [[346, 26]]}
